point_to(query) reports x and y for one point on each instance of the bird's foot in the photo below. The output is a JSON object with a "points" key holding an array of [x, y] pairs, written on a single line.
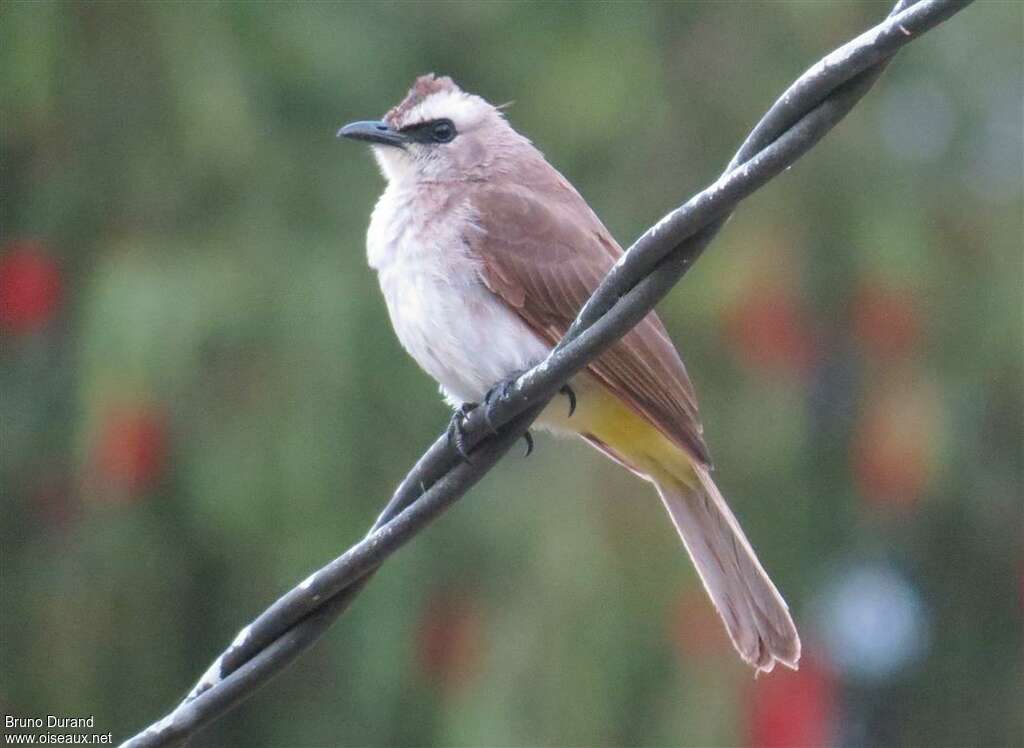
{"points": [[498, 392], [456, 433], [501, 391]]}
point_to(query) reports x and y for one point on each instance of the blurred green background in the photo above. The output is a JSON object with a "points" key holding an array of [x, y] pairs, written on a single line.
{"points": [[202, 398]]}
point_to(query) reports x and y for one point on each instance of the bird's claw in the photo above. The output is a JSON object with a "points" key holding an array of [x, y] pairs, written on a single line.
{"points": [[528, 438], [497, 392], [501, 391], [455, 432], [570, 393]]}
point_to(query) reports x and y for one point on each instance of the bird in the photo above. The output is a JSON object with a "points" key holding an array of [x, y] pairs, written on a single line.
{"points": [[485, 254]]}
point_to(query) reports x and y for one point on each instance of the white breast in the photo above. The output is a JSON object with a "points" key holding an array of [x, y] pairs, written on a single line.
{"points": [[459, 332]]}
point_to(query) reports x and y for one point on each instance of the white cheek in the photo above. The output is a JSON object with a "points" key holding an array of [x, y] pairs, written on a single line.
{"points": [[394, 163]]}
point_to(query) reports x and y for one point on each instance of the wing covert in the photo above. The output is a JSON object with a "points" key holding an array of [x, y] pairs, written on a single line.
{"points": [[543, 251]]}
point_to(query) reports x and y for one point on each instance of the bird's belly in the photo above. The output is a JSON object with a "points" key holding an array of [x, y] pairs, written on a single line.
{"points": [[457, 330]]}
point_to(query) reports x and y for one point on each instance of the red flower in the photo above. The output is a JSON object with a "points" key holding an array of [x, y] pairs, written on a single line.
{"points": [[770, 332], [894, 445], [132, 449], [30, 286], [885, 320], [449, 639], [792, 709]]}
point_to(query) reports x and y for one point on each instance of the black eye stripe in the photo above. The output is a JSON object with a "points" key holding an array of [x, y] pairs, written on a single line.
{"points": [[431, 132]]}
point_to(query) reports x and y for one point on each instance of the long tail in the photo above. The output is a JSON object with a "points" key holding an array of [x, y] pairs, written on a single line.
{"points": [[754, 612]]}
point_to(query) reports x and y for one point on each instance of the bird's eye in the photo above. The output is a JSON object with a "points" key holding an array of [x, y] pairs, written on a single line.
{"points": [[442, 131]]}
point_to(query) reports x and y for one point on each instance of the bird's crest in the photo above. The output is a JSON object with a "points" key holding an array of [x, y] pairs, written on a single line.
{"points": [[425, 86]]}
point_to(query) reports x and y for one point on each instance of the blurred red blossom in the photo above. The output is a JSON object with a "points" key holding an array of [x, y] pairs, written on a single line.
{"points": [[449, 639], [770, 331], [30, 286], [131, 448], [695, 628], [895, 444], [885, 320], [793, 709]]}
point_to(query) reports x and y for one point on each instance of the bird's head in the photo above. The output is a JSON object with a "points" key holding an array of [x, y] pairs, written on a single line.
{"points": [[437, 133]]}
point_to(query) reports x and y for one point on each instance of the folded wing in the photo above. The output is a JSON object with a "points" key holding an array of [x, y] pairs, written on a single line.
{"points": [[543, 251]]}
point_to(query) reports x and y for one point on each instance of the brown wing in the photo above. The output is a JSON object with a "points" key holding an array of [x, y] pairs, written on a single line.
{"points": [[544, 252]]}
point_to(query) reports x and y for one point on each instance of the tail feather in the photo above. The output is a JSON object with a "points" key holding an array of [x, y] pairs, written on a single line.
{"points": [[754, 612]]}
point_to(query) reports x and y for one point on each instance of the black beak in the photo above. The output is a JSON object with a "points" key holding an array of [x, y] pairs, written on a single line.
{"points": [[372, 132]]}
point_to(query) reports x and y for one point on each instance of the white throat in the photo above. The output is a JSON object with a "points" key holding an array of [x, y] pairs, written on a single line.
{"points": [[459, 332]]}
